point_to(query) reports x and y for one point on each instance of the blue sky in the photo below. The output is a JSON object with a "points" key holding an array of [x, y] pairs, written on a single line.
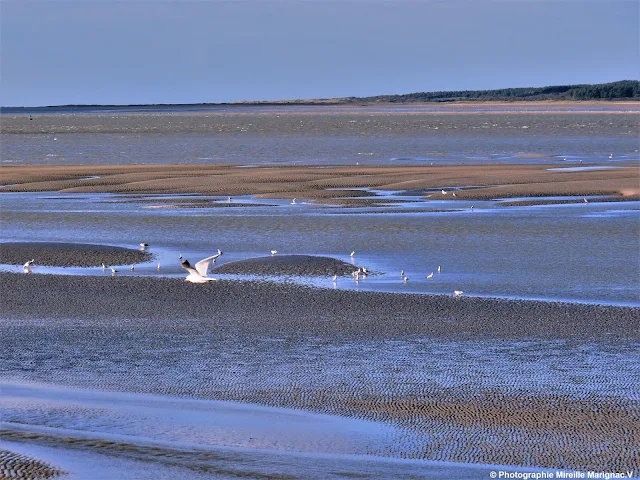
{"points": [[123, 52]]}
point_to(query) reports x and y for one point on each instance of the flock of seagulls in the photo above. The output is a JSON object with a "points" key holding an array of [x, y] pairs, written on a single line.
{"points": [[198, 273]]}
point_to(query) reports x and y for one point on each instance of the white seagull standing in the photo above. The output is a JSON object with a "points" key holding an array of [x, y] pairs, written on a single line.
{"points": [[439, 268], [143, 246], [457, 293], [273, 252], [293, 202], [199, 273], [430, 275], [352, 253], [113, 271], [104, 267], [27, 266]]}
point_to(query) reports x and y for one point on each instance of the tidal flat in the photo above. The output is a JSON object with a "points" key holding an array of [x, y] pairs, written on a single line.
{"points": [[276, 371]]}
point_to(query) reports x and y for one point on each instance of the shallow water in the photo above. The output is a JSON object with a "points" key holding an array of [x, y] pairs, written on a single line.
{"points": [[575, 252], [295, 135]]}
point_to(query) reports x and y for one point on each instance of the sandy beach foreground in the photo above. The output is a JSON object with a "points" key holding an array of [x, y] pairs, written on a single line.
{"points": [[133, 334], [265, 307]]}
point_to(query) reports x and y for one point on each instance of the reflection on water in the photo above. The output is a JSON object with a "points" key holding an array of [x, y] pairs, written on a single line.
{"points": [[581, 252], [313, 137]]}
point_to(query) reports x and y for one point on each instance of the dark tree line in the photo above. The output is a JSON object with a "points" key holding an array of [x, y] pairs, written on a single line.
{"points": [[624, 89]]}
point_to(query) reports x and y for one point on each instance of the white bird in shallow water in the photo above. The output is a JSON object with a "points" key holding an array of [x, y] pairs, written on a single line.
{"points": [[430, 275], [457, 293], [133, 267], [352, 253], [198, 274], [406, 279], [114, 271], [273, 252], [585, 200], [444, 192], [27, 266], [104, 267], [158, 267], [293, 202], [439, 268], [335, 278], [143, 246]]}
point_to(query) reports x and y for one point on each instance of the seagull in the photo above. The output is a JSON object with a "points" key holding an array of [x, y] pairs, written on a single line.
{"points": [[335, 278], [273, 252], [443, 192], [158, 267], [402, 273], [611, 155], [229, 200], [216, 256], [439, 269], [585, 200], [453, 193], [293, 202], [406, 279], [457, 293], [114, 271], [104, 267], [352, 253], [133, 266], [430, 275], [27, 266], [143, 246], [199, 273]]}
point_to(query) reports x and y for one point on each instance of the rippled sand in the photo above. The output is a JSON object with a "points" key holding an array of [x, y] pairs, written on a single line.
{"points": [[488, 181], [472, 380]]}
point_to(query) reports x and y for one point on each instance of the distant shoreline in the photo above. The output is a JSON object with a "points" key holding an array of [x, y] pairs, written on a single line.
{"points": [[438, 107], [612, 92]]}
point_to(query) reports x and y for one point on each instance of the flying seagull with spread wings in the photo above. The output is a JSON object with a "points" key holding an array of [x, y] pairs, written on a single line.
{"points": [[198, 274]]}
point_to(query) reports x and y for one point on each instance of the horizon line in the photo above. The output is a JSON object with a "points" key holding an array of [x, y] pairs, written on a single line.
{"points": [[308, 101]]}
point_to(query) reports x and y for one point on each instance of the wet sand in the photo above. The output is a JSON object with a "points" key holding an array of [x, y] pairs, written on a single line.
{"points": [[313, 183], [309, 311], [18, 466], [69, 255], [100, 322], [305, 265], [52, 314]]}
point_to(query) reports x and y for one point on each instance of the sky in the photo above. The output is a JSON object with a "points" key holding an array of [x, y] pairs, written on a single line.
{"points": [[59, 52]]}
